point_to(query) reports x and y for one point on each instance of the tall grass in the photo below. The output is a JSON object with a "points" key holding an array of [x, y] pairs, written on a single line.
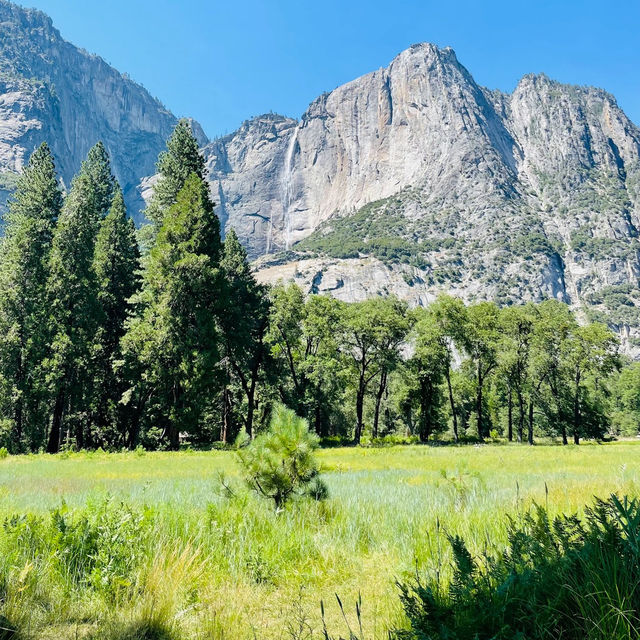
{"points": [[151, 546], [566, 578]]}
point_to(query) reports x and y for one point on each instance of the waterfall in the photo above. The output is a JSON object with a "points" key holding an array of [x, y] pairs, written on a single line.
{"points": [[286, 186]]}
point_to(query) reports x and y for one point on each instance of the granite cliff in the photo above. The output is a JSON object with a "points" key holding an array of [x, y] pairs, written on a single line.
{"points": [[414, 179], [51, 90]]}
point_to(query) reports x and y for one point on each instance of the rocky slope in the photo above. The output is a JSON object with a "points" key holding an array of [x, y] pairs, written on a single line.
{"points": [[414, 179], [53, 91]]}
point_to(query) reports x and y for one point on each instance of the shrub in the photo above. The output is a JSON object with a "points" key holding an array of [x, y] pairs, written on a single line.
{"points": [[7, 433], [100, 547], [280, 462], [3, 453], [566, 578]]}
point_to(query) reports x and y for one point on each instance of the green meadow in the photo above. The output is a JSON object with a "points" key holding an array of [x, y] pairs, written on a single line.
{"points": [[103, 545]]}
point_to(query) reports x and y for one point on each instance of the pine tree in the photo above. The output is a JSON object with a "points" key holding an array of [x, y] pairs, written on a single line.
{"points": [[97, 168], [175, 165], [116, 262], [171, 347], [33, 211], [244, 324], [75, 313]]}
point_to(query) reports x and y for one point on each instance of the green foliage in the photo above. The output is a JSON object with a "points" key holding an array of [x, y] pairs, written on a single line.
{"points": [[100, 549], [370, 340], [304, 347], [97, 168], [556, 578], [243, 326], [529, 244], [24, 267], [175, 165], [116, 263], [8, 180], [171, 348], [626, 417], [378, 229], [280, 462], [426, 371], [74, 311]]}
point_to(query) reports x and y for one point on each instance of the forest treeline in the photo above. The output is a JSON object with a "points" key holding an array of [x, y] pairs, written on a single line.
{"points": [[115, 338]]}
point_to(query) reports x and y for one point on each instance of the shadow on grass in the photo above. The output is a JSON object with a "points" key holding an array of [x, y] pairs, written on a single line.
{"points": [[8, 631], [138, 630]]}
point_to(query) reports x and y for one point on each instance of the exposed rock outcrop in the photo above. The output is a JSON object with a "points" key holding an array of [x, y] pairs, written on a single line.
{"points": [[528, 195], [53, 91]]}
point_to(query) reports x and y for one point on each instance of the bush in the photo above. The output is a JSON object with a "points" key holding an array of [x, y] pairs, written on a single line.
{"points": [[7, 434], [280, 462], [100, 547], [566, 578]]}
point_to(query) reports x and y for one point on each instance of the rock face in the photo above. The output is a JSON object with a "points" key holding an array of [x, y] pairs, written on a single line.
{"points": [[52, 91], [413, 179]]}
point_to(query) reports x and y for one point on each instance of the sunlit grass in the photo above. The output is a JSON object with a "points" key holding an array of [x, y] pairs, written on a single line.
{"points": [[231, 568]]}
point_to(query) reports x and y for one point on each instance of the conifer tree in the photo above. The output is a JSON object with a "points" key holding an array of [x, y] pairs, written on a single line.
{"points": [[172, 345], [97, 168], [24, 256], [75, 313], [243, 324], [181, 158], [116, 262]]}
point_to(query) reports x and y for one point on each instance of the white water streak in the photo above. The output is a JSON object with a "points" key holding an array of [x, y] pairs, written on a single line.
{"points": [[287, 186]]}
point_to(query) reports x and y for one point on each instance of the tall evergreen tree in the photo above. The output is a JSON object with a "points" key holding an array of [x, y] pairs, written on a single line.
{"points": [[175, 165], [243, 322], [75, 313], [172, 345], [97, 168], [24, 256], [116, 263]]}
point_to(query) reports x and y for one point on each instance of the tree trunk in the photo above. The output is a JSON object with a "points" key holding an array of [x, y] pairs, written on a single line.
{"points": [[530, 432], [174, 436], [479, 404], [359, 415], [510, 417], [520, 415], [251, 407], [453, 406], [576, 411], [19, 412], [55, 434], [80, 435], [317, 420], [226, 415], [425, 409], [18, 423], [379, 394]]}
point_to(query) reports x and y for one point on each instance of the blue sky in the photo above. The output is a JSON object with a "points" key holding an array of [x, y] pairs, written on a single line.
{"points": [[223, 62]]}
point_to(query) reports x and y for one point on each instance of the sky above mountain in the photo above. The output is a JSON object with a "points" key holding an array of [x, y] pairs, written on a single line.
{"points": [[222, 62]]}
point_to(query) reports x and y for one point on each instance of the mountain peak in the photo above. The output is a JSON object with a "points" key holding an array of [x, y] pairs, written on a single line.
{"points": [[31, 21], [56, 92], [428, 52]]}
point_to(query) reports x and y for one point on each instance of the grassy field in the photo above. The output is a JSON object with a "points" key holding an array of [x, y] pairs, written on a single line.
{"points": [[212, 565]]}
